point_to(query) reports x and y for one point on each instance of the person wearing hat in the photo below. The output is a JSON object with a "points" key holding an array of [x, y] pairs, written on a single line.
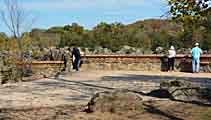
{"points": [[196, 53], [171, 58]]}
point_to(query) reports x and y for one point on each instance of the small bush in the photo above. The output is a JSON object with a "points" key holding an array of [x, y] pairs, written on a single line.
{"points": [[9, 70]]}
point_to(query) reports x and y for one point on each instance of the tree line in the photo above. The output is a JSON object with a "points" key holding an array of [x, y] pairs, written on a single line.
{"points": [[189, 23], [147, 34]]}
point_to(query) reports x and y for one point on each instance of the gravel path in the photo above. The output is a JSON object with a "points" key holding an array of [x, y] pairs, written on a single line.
{"points": [[78, 87]]}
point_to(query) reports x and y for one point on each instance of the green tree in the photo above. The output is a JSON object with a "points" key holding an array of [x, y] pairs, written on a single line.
{"points": [[3, 41], [190, 13]]}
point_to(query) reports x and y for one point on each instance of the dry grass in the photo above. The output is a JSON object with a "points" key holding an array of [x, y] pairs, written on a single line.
{"points": [[153, 110]]}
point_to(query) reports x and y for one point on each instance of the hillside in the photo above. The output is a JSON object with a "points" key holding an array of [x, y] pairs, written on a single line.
{"points": [[147, 34]]}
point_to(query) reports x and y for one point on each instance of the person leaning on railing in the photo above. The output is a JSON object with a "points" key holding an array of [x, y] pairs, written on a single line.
{"points": [[196, 53], [76, 58], [171, 58]]}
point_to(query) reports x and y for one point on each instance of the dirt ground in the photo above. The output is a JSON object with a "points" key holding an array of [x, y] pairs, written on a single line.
{"points": [[154, 110], [66, 97]]}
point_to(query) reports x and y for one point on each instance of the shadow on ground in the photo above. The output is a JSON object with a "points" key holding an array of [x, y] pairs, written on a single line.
{"points": [[153, 110], [93, 87], [156, 78]]}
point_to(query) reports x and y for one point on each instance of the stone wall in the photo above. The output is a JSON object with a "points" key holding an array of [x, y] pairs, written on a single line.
{"points": [[122, 64], [142, 63], [44, 68]]}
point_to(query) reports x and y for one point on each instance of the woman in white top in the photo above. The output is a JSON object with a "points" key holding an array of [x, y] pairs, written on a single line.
{"points": [[171, 58]]}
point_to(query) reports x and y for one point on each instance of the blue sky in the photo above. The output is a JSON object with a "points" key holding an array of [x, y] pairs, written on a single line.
{"points": [[89, 13]]}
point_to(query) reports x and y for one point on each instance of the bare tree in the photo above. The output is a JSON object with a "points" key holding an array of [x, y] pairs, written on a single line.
{"points": [[17, 21], [15, 18]]}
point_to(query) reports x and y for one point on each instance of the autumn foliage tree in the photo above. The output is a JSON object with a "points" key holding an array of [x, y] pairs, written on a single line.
{"points": [[191, 13]]}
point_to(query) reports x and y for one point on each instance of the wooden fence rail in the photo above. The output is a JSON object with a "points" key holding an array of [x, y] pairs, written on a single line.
{"points": [[205, 59]]}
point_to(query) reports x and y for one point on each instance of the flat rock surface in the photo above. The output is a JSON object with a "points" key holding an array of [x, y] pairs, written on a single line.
{"points": [[76, 88]]}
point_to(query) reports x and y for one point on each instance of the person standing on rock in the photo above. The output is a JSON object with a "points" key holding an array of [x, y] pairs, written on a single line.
{"points": [[171, 58], [76, 58], [196, 53]]}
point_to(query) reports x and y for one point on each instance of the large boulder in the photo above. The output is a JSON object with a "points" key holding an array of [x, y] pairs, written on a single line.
{"points": [[126, 50], [159, 50], [184, 51], [119, 101], [98, 50], [187, 91]]}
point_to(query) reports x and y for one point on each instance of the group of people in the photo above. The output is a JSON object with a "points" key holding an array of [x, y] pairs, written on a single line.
{"points": [[195, 53], [76, 59]]}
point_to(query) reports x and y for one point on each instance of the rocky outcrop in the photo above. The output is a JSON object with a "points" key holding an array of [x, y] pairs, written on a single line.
{"points": [[187, 91], [115, 102]]}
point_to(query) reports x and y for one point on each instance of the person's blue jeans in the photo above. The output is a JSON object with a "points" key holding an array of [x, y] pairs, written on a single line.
{"points": [[77, 62], [195, 64]]}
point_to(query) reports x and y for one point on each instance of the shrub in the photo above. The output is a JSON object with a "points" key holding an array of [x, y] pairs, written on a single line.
{"points": [[9, 71]]}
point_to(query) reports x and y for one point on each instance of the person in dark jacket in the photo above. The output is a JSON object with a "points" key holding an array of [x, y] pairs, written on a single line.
{"points": [[76, 58]]}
